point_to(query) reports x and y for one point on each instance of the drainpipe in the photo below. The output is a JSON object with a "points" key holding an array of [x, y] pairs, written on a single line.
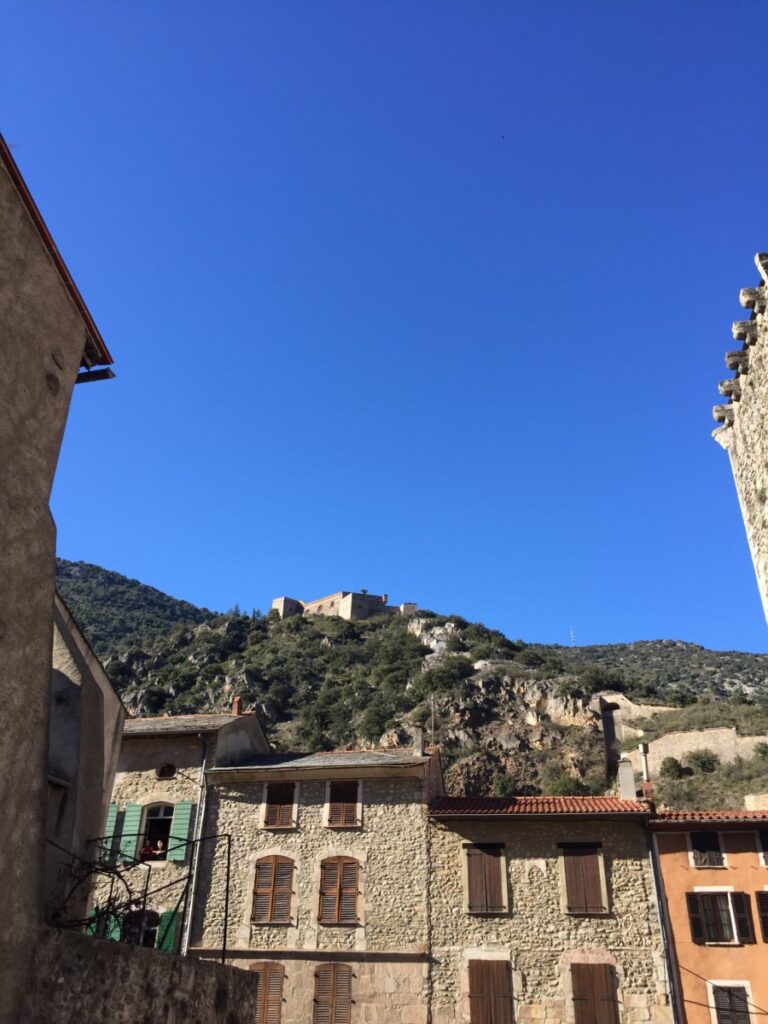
{"points": [[201, 800], [665, 927]]}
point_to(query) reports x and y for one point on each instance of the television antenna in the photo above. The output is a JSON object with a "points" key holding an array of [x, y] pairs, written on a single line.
{"points": [[573, 636]]}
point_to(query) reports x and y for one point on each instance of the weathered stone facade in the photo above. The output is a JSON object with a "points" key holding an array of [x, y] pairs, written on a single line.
{"points": [[744, 433], [535, 935]]}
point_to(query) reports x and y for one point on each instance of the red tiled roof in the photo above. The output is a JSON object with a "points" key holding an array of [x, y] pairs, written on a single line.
{"points": [[461, 806], [663, 818]]}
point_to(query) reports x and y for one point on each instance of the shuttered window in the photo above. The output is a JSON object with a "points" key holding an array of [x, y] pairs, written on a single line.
{"points": [[485, 864], [339, 884], [583, 882], [731, 1004], [342, 805], [131, 825], [706, 849], [279, 811], [762, 910], [272, 891], [593, 988], [720, 917], [269, 992], [490, 992], [179, 834], [110, 827], [166, 938], [333, 994]]}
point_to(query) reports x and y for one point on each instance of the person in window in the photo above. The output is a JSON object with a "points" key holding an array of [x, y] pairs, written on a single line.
{"points": [[147, 852], [159, 851]]}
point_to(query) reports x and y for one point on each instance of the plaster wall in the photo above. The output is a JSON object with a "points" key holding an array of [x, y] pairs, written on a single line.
{"points": [[699, 963], [43, 340], [536, 935]]}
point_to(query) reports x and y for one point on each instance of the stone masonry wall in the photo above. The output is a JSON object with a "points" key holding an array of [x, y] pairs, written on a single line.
{"points": [[536, 935], [78, 979], [745, 418], [725, 742]]}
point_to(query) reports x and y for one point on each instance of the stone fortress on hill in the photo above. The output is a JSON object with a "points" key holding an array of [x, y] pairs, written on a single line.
{"points": [[345, 604], [743, 419]]}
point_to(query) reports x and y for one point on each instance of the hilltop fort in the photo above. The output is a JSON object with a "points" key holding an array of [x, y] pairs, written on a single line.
{"points": [[346, 604]]}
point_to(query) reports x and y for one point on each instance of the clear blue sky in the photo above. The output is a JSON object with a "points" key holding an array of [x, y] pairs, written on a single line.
{"points": [[425, 297]]}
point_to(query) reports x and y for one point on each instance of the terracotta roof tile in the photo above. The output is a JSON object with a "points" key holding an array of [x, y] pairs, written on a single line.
{"points": [[663, 818], [458, 806]]}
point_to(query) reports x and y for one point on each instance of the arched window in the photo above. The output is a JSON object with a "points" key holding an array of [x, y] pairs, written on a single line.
{"points": [[333, 994], [157, 831], [269, 992], [272, 891], [339, 884]]}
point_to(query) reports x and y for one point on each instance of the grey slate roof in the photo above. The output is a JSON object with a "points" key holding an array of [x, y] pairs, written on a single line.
{"points": [[175, 725], [337, 759]]}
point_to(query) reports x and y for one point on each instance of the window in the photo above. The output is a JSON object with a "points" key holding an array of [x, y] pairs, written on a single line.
{"points": [[269, 992], [490, 992], [150, 929], [342, 805], [279, 810], [593, 988], [272, 891], [485, 882], [762, 846], [333, 994], [762, 911], [706, 851], [720, 917], [157, 831], [731, 1004], [584, 884], [166, 771], [338, 891]]}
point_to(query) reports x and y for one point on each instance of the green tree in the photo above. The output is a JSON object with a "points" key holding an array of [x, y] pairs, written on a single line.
{"points": [[703, 761], [671, 768]]}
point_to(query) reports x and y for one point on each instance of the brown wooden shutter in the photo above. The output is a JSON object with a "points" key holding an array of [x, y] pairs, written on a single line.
{"points": [[485, 864], [479, 995], [490, 992], [742, 912], [273, 889], [762, 910], [339, 883], [695, 918], [594, 994], [476, 879], [269, 992], [583, 884], [279, 812], [731, 1004], [333, 994], [348, 892], [342, 810]]}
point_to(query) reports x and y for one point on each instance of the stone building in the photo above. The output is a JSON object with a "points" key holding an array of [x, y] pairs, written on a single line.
{"points": [[744, 421], [155, 820], [544, 909], [713, 867], [345, 604], [329, 876]]}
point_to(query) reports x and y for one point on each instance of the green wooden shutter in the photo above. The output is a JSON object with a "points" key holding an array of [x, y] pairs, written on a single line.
{"points": [[113, 929], [92, 928], [166, 931], [129, 840], [177, 841], [109, 833]]}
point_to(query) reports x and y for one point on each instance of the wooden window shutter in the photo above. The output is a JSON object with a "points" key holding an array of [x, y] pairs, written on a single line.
{"points": [[339, 883], [179, 834], [109, 833], [485, 864], [279, 812], [594, 994], [696, 918], [490, 992], [130, 838], [731, 1004], [166, 931], [475, 879], [762, 910], [742, 912], [583, 884], [269, 992], [342, 805], [273, 888], [333, 994]]}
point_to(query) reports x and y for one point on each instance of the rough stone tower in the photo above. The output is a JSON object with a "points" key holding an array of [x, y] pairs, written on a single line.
{"points": [[744, 421]]}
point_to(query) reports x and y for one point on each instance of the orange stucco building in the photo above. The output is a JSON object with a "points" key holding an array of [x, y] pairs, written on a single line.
{"points": [[713, 868]]}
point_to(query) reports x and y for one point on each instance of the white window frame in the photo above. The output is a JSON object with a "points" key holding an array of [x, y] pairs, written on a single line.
{"points": [[706, 867], [704, 889], [358, 807], [713, 984], [504, 885], [143, 832], [294, 808], [762, 853]]}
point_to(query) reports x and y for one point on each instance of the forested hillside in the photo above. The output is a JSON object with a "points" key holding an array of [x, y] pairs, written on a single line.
{"points": [[509, 715]]}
